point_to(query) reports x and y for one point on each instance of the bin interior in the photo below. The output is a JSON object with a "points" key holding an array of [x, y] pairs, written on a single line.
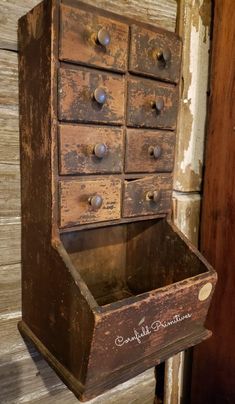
{"points": [[125, 260]]}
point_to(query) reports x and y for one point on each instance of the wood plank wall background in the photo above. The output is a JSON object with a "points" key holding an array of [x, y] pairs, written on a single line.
{"points": [[24, 375]]}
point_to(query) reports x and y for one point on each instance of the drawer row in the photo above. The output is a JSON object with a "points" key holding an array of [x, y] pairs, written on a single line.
{"points": [[85, 149], [98, 97], [95, 40], [84, 201]]}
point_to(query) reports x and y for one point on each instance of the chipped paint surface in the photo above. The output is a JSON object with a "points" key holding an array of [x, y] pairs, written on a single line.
{"points": [[192, 119]]}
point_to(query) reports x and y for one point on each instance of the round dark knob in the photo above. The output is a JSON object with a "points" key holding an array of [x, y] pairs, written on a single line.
{"points": [[154, 196], [164, 55], [100, 95], [103, 37], [95, 201], [159, 105], [155, 151], [100, 150]]}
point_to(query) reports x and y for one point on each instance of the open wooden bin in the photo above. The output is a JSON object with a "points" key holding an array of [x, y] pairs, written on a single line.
{"points": [[140, 293]]}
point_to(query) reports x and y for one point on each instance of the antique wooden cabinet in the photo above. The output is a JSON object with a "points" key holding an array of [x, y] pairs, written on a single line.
{"points": [[110, 286]]}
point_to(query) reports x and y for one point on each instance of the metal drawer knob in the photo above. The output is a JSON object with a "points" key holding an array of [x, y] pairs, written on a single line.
{"points": [[100, 95], [155, 151], [158, 104], [103, 37], [154, 196], [95, 201], [100, 150], [164, 55]]}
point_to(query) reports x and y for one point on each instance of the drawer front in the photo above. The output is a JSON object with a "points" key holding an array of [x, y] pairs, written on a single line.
{"points": [[90, 149], [151, 104], [88, 201], [88, 38], [149, 151], [90, 96], [147, 196], [155, 54]]}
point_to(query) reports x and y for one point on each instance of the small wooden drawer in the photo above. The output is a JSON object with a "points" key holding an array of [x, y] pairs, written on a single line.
{"points": [[88, 149], [155, 53], [90, 96], [88, 201], [91, 39], [149, 151], [151, 104], [147, 196]]}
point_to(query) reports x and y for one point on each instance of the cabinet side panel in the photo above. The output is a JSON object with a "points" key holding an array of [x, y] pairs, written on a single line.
{"points": [[53, 306]]}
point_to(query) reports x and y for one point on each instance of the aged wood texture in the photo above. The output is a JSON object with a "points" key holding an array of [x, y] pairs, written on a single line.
{"points": [[162, 13], [155, 54], [10, 293], [10, 240], [194, 22], [76, 96], [140, 198], [151, 104], [90, 149], [149, 151], [77, 200], [215, 361], [79, 42], [9, 135]]}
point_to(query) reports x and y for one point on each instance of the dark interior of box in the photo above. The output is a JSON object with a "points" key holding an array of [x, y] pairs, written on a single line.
{"points": [[125, 260]]}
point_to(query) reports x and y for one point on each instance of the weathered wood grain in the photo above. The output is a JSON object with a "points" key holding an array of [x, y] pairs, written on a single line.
{"points": [[9, 190], [9, 135], [10, 240], [160, 12], [8, 78], [10, 288]]}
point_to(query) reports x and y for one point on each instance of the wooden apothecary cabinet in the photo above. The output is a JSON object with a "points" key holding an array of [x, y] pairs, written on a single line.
{"points": [[110, 286]]}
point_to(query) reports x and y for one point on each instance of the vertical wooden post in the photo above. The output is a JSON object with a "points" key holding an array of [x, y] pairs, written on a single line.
{"points": [[193, 25], [214, 362]]}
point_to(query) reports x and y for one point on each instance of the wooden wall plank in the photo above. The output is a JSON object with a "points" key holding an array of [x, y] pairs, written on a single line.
{"points": [[9, 190], [9, 135], [10, 288], [159, 12], [8, 78], [10, 241]]}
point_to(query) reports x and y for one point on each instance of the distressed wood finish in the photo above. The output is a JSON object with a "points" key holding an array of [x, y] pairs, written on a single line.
{"points": [[75, 195], [140, 147], [77, 149], [137, 201], [81, 303], [76, 100], [215, 361], [147, 54], [142, 112], [78, 39]]}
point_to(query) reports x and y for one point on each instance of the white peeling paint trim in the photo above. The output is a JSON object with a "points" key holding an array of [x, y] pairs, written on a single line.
{"points": [[197, 96]]}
